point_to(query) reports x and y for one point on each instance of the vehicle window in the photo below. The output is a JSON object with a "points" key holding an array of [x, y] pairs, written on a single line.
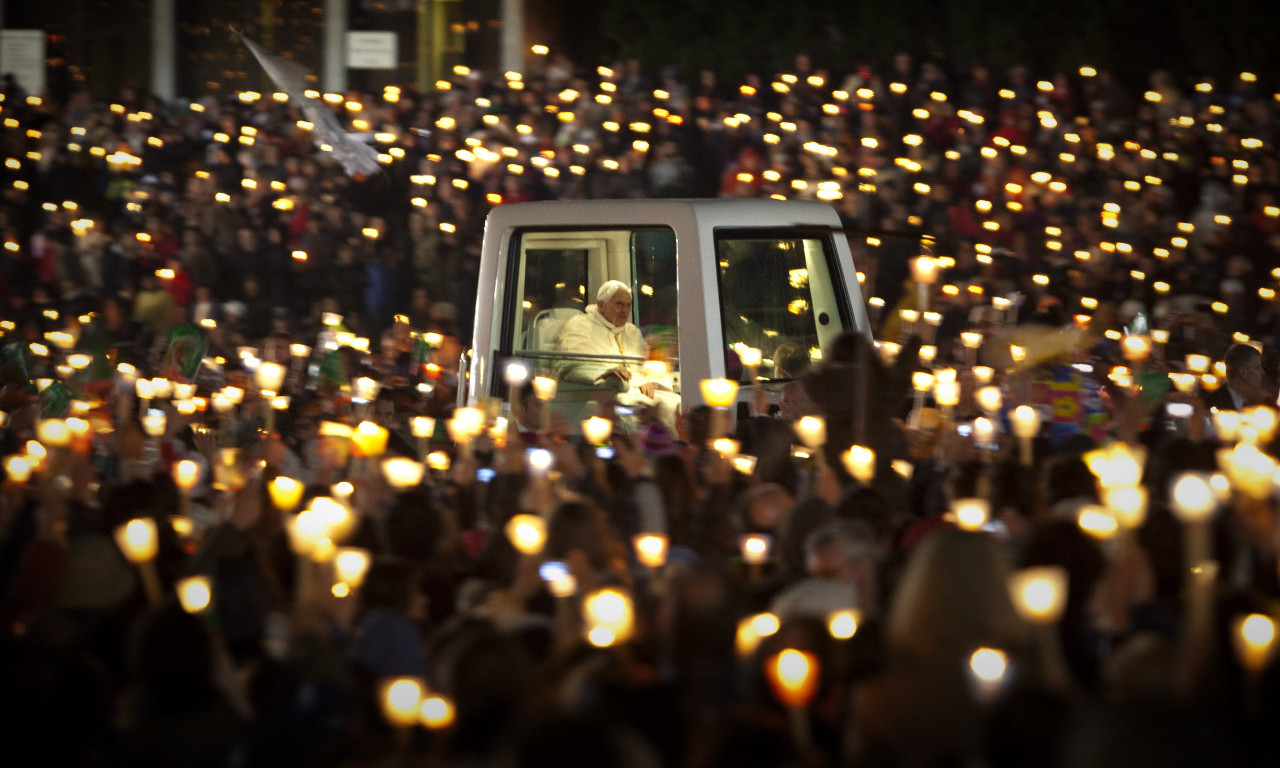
{"points": [[551, 318], [778, 295]]}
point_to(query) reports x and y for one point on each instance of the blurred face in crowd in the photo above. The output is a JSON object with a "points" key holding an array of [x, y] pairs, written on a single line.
{"points": [[1251, 372], [794, 402], [617, 308]]}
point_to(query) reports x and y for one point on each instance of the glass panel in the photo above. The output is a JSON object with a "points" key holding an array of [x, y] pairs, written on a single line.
{"points": [[557, 325], [778, 294]]}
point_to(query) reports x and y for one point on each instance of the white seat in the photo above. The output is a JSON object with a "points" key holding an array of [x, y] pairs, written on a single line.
{"points": [[546, 324]]}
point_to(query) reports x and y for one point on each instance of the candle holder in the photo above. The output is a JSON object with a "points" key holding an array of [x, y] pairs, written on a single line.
{"points": [[1026, 425], [793, 676], [285, 492], [596, 430], [402, 473], [1039, 595], [195, 593], [860, 462], [423, 428], [720, 394], [527, 533], [1193, 501], [970, 514], [971, 340], [924, 271], [401, 700], [988, 667], [750, 358], [350, 565], [437, 712], [139, 543], [909, 319], [608, 617], [752, 630], [544, 388]]}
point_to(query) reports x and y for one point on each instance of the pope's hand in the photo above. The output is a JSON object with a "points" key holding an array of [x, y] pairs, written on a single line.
{"points": [[615, 377]]}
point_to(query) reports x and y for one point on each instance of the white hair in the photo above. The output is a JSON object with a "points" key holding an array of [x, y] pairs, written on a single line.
{"points": [[610, 288]]}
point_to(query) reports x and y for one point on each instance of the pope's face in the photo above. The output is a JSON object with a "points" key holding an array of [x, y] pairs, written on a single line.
{"points": [[617, 309]]}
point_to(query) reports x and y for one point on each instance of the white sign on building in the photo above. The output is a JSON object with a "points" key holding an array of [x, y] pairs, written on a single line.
{"points": [[371, 50], [22, 53]]}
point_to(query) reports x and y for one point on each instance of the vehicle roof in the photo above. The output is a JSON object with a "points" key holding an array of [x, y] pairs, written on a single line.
{"points": [[712, 211]]}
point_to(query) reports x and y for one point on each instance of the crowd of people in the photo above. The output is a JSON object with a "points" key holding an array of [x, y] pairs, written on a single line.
{"points": [[206, 247]]}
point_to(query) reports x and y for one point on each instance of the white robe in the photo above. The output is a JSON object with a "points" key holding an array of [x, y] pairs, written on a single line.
{"points": [[591, 334]]}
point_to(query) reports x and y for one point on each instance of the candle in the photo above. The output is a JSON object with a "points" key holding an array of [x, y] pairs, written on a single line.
{"points": [[366, 389], [726, 448], [793, 676], [1254, 639], [971, 340], [1127, 504], [153, 423], [186, 474], [1017, 354], [465, 425], [947, 394], [909, 318], [161, 388], [750, 357], [54, 433], [17, 469], [984, 433], [1136, 348], [842, 625], [1040, 593], [516, 373], [1197, 364]]}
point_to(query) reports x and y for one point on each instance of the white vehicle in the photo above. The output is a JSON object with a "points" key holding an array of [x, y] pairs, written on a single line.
{"points": [[710, 279]]}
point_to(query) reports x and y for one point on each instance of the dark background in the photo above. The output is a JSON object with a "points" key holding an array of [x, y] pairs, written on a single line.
{"points": [[105, 43]]}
